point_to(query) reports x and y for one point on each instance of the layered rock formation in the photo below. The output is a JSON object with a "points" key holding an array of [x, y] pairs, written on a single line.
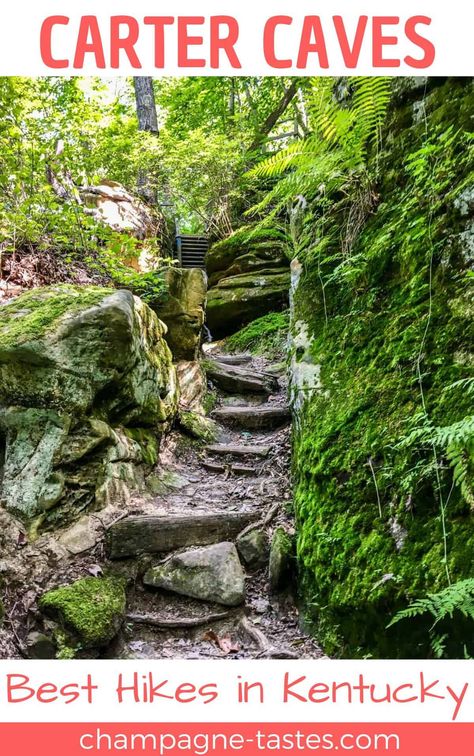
{"points": [[110, 203], [244, 284]]}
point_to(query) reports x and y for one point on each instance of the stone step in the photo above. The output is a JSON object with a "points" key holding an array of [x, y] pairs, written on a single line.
{"points": [[233, 359], [243, 470], [160, 534], [237, 450], [253, 418], [235, 379], [213, 467]]}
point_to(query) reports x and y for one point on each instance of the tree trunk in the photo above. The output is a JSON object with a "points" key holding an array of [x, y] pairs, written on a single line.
{"points": [[146, 106], [147, 121], [275, 115]]}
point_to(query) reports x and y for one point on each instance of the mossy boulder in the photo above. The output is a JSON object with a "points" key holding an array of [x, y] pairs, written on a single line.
{"points": [[252, 261], [183, 310], [198, 426], [237, 300], [63, 347], [92, 609], [78, 367]]}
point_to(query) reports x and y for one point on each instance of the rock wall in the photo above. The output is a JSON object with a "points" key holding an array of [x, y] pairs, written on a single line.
{"points": [[382, 367], [87, 386]]}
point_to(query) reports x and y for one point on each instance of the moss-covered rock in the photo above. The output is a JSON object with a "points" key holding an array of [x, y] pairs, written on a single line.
{"points": [[382, 360], [92, 609], [183, 310], [77, 366], [282, 551], [266, 336], [198, 426], [237, 300]]}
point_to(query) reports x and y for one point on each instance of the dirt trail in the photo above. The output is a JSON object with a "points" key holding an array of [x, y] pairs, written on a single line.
{"points": [[196, 480]]}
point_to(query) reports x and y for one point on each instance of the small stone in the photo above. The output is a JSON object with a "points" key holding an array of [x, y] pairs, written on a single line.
{"points": [[210, 574], [39, 646], [82, 536], [253, 548], [281, 555]]}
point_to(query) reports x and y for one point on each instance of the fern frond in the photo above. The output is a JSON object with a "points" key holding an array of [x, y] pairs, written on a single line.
{"points": [[457, 597]]}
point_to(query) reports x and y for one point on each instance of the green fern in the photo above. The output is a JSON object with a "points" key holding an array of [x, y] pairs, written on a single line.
{"points": [[455, 441], [458, 597], [329, 166]]}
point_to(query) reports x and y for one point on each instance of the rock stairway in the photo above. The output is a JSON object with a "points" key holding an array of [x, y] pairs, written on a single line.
{"points": [[216, 542]]}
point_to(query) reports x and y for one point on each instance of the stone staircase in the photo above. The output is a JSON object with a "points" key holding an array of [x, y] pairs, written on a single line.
{"points": [[216, 566]]}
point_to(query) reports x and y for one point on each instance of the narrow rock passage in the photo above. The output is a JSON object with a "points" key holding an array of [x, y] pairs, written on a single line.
{"points": [[217, 532]]}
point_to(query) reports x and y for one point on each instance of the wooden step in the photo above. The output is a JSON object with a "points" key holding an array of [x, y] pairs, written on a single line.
{"points": [[235, 379], [253, 418], [159, 534], [237, 450]]}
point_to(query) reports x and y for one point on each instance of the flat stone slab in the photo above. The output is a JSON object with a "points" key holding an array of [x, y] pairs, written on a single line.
{"points": [[240, 380], [213, 467], [243, 470], [237, 450], [210, 574], [160, 534], [253, 418], [234, 359]]}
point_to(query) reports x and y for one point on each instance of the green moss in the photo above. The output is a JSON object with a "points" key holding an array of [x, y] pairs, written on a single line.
{"points": [[29, 316], [266, 335], [209, 401], [198, 426], [282, 552], [149, 443], [91, 608], [364, 441]]}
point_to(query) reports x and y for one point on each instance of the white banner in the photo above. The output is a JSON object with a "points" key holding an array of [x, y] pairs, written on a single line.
{"points": [[225, 37], [237, 691]]}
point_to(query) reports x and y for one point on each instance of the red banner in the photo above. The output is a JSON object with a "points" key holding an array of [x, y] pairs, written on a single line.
{"points": [[408, 739]]}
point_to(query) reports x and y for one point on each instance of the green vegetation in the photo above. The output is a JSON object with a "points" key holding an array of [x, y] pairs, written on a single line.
{"points": [[91, 608], [266, 336], [448, 608], [383, 456], [198, 426], [371, 198], [30, 317]]}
